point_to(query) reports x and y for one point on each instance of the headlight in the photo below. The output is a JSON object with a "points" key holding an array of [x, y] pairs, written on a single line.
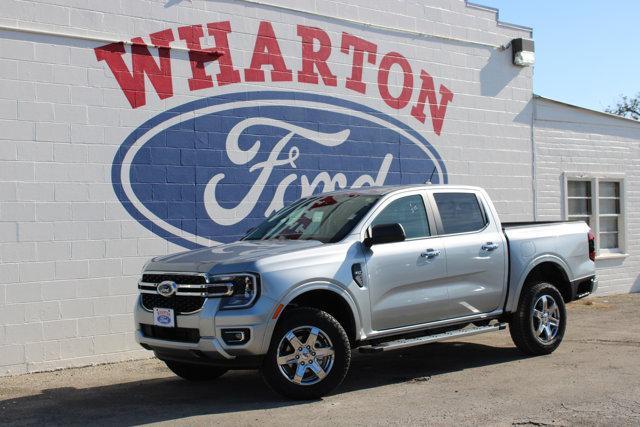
{"points": [[236, 290]]}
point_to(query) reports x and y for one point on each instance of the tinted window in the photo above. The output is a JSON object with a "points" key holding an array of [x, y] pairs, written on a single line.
{"points": [[460, 212], [408, 212]]}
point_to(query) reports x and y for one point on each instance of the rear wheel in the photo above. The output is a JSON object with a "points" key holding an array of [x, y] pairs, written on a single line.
{"points": [[538, 326], [191, 372], [309, 355]]}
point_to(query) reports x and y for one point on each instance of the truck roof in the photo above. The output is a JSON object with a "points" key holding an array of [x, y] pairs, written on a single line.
{"points": [[387, 189]]}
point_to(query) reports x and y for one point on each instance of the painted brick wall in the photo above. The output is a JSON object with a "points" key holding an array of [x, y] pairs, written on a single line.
{"points": [[70, 253], [573, 140]]}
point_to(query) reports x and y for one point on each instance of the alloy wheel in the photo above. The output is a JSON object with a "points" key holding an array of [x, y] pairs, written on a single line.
{"points": [[545, 319], [305, 355]]}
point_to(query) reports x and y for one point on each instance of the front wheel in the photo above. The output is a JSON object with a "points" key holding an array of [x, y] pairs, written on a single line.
{"points": [[538, 326], [309, 355]]}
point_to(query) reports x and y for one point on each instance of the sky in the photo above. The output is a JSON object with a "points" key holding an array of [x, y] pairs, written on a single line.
{"points": [[586, 50]]}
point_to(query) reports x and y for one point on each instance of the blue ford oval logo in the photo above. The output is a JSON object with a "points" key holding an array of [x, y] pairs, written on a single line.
{"points": [[165, 320], [167, 288], [207, 171]]}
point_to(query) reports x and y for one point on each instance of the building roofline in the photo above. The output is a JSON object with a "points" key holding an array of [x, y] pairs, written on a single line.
{"points": [[467, 3], [590, 110], [498, 21]]}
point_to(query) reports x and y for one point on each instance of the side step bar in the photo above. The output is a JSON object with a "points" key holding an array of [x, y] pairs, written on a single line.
{"points": [[412, 342]]}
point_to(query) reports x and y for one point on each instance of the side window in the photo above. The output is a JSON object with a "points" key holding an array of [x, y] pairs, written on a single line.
{"points": [[460, 212], [410, 213]]}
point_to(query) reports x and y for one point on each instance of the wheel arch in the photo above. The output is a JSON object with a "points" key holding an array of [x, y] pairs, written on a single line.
{"points": [[326, 296], [548, 268]]}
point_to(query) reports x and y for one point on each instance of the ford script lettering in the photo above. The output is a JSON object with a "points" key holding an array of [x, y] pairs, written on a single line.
{"points": [[207, 171]]}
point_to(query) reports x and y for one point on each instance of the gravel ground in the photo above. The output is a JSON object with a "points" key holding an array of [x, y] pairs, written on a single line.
{"points": [[592, 379]]}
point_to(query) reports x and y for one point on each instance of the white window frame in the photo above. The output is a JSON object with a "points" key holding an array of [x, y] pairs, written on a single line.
{"points": [[595, 180]]}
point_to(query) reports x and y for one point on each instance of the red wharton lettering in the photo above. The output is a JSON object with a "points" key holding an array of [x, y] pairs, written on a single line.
{"points": [[315, 51]]}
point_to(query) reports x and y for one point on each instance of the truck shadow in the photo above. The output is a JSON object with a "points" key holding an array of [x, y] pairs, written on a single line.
{"points": [[167, 399], [422, 363]]}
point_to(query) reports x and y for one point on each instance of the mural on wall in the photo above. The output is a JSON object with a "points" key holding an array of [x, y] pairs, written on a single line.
{"points": [[206, 171]]}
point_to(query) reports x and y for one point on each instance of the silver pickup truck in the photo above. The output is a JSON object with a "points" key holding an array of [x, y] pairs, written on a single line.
{"points": [[374, 269]]}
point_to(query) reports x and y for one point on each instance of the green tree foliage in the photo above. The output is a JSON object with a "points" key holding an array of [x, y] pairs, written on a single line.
{"points": [[628, 107]]}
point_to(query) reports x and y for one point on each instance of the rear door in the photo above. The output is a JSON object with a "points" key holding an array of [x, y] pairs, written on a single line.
{"points": [[475, 252], [407, 280]]}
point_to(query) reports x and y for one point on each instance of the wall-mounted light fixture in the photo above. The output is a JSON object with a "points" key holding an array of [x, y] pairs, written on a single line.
{"points": [[524, 52]]}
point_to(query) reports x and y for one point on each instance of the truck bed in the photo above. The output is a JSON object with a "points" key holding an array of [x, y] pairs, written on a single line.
{"points": [[563, 243], [532, 223]]}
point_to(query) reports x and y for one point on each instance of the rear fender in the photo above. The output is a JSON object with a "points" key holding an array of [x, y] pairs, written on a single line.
{"points": [[516, 284]]}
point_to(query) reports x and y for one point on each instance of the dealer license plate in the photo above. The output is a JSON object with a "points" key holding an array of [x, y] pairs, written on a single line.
{"points": [[164, 317]]}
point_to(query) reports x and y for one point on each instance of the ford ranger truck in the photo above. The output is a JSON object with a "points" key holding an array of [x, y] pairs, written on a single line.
{"points": [[374, 269]]}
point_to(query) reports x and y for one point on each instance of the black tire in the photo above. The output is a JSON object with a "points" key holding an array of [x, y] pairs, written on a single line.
{"points": [[300, 318], [525, 323], [197, 373]]}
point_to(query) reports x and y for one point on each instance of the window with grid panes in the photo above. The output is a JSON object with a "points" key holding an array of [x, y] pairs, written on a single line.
{"points": [[609, 214], [598, 203], [580, 201]]}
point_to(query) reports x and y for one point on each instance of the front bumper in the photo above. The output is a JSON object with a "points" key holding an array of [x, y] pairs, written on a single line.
{"points": [[209, 323]]}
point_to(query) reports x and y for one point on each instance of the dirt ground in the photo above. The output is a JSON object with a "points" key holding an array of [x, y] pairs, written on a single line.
{"points": [[592, 379]]}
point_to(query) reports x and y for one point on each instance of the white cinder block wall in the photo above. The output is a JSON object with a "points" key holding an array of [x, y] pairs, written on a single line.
{"points": [[71, 253], [575, 141]]}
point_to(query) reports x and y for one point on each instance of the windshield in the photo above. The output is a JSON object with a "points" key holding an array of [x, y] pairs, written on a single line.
{"points": [[325, 218]]}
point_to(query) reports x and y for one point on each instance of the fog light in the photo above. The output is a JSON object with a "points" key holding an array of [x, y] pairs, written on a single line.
{"points": [[236, 336]]}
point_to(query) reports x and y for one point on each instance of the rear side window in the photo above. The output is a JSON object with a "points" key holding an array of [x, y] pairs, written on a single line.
{"points": [[460, 212], [410, 213]]}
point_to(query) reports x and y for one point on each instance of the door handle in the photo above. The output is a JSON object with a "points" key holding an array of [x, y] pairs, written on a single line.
{"points": [[430, 253], [490, 246]]}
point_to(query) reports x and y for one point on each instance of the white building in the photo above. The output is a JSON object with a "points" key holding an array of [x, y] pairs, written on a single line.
{"points": [[129, 129]]}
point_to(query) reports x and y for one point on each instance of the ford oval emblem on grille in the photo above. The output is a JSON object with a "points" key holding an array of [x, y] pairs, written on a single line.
{"points": [[167, 288]]}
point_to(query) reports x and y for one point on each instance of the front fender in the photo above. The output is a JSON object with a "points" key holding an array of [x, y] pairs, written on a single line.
{"points": [[516, 290], [326, 284]]}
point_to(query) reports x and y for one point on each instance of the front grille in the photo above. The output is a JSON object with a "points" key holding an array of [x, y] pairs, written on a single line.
{"points": [[180, 279], [179, 304], [171, 334]]}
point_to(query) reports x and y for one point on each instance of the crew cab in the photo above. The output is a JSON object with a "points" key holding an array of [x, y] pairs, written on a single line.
{"points": [[374, 269]]}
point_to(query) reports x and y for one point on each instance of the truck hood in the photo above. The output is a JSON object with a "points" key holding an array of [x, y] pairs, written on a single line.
{"points": [[218, 257]]}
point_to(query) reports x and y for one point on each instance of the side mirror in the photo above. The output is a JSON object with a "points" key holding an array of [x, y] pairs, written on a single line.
{"points": [[385, 233]]}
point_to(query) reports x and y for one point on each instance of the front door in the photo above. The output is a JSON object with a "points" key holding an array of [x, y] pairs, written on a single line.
{"points": [[407, 279]]}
